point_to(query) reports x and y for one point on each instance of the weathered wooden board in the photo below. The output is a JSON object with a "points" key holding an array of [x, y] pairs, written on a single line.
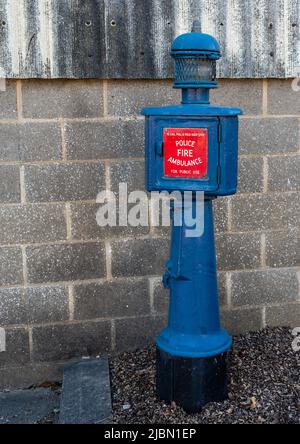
{"points": [[131, 38]]}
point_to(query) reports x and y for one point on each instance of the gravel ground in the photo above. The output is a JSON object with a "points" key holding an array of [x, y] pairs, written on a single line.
{"points": [[264, 378]]}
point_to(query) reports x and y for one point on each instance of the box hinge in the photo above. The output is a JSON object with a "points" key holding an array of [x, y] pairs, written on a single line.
{"points": [[219, 174], [159, 148], [219, 133]]}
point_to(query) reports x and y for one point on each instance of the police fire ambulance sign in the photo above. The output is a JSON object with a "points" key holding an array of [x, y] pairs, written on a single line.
{"points": [[185, 152]]}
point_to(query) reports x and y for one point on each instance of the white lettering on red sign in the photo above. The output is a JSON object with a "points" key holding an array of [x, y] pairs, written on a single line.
{"points": [[185, 152]]}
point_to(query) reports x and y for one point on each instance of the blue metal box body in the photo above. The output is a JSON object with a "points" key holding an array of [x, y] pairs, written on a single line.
{"points": [[222, 127]]}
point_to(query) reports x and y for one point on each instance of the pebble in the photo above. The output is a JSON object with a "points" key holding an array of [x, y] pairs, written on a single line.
{"points": [[265, 385]]}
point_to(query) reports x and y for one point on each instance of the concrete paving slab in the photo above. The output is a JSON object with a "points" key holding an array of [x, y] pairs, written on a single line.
{"points": [[86, 397], [28, 406]]}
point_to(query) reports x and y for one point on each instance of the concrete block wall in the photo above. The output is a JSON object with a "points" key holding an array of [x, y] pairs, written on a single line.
{"points": [[69, 288]]}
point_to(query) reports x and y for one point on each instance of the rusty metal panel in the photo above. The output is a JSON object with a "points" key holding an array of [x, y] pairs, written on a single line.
{"points": [[132, 38]]}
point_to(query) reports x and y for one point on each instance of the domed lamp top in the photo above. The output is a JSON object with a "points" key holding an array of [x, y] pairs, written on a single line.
{"points": [[196, 42], [195, 57]]}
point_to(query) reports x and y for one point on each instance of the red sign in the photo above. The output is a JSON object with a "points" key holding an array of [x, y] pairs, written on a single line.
{"points": [[185, 152]]}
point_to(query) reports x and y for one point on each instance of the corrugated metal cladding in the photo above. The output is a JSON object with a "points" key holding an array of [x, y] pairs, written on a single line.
{"points": [[131, 38]]}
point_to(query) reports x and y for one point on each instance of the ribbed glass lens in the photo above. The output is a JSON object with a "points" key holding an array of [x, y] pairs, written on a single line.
{"points": [[193, 69]]}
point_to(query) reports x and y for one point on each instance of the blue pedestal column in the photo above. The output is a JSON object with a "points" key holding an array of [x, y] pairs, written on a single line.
{"points": [[192, 348]]}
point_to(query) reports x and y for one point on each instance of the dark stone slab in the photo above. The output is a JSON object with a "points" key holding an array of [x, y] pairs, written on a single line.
{"points": [[86, 395], [139, 257], [85, 225], [8, 106], [283, 248], [265, 211], [261, 287], [243, 93], [251, 175], [30, 141], [16, 348], [238, 251], [68, 341], [65, 262], [10, 184], [261, 136], [284, 173], [11, 266], [28, 406], [64, 181], [70, 99], [110, 139], [136, 333], [27, 223], [124, 297]]}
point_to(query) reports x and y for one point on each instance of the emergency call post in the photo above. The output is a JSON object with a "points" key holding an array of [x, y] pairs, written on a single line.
{"points": [[193, 147], [185, 152]]}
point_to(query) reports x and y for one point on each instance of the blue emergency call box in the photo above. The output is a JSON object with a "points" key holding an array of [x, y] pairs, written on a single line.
{"points": [[193, 146]]}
